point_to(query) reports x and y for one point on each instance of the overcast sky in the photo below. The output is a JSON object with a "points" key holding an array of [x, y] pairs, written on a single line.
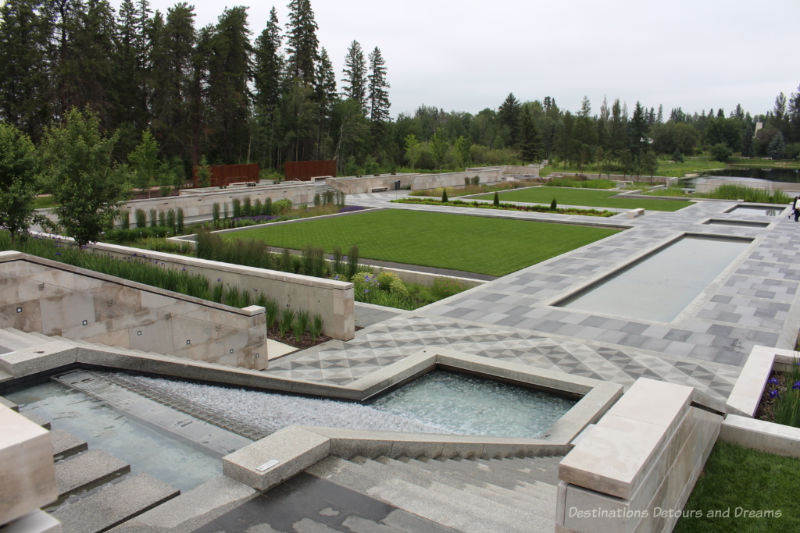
{"points": [[467, 55]]}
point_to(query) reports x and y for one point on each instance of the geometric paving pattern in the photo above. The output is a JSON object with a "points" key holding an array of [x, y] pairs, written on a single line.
{"points": [[754, 302]]}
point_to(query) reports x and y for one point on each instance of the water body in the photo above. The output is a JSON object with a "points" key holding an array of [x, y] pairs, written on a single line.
{"points": [[769, 174], [470, 405], [661, 285], [102, 427]]}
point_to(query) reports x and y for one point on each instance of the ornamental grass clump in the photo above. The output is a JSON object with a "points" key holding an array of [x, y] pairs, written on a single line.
{"points": [[315, 327], [300, 324], [287, 318]]}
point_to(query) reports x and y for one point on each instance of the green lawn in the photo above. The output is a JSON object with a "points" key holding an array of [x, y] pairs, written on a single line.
{"points": [[584, 197], [741, 480], [484, 245]]}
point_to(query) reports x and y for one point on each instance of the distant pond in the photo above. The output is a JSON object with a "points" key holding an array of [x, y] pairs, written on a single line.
{"points": [[771, 174]]}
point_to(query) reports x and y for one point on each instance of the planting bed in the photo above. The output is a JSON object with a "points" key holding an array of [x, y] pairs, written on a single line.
{"points": [[490, 246], [584, 197]]}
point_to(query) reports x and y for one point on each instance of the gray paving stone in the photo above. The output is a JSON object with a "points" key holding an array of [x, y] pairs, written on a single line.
{"points": [[114, 504]]}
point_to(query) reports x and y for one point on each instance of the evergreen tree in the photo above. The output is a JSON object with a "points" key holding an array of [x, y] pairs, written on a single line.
{"points": [[509, 113], [25, 29], [354, 83], [301, 39], [144, 161], [325, 96], [172, 79], [267, 72], [529, 138], [378, 93], [228, 94]]}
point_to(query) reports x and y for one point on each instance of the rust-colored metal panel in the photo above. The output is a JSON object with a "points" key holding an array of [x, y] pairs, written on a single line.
{"points": [[305, 170], [222, 175]]}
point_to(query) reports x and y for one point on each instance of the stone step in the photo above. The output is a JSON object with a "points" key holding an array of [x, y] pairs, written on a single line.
{"points": [[538, 500], [437, 502], [5, 376], [5, 402], [66, 444], [36, 419], [114, 504], [17, 340], [87, 470], [469, 498]]}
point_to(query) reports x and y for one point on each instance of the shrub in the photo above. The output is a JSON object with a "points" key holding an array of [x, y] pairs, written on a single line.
{"points": [[237, 208], [496, 200], [444, 195], [286, 260], [247, 207], [215, 214], [267, 207], [162, 219], [300, 324], [281, 207], [225, 211], [328, 198], [476, 180], [721, 152], [171, 220], [257, 207], [466, 181], [315, 328], [141, 218], [317, 200], [153, 218], [181, 227], [553, 205], [287, 318], [443, 288], [352, 262]]}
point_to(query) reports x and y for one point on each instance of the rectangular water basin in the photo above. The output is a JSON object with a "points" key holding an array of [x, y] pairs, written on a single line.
{"points": [[660, 285], [757, 210], [740, 223], [468, 405]]}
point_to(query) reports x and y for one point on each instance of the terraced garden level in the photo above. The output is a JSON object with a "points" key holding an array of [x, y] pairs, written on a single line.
{"points": [[584, 197], [491, 246]]}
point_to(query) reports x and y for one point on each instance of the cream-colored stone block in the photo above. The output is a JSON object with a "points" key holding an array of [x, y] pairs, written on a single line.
{"points": [[26, 463], [64, 312], [749, 386]]}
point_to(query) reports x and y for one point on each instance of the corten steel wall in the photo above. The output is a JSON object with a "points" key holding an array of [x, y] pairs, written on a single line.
{"points": [[305, 170], [222, 175]]}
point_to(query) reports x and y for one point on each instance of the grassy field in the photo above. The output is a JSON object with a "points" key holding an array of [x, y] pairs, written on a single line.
{"points": [[746, 480], [584, 197], [483, 245]]}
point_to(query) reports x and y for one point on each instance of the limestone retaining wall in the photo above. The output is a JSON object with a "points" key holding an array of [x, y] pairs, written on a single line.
{"points": [[332, 300], [636, 468], [58, 299], [198, 204], [366, 184]]}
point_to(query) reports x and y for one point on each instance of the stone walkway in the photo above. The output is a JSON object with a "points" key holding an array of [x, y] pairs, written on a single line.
{"points": [[753, 302]]}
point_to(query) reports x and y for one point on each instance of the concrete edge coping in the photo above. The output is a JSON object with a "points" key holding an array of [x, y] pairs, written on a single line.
{"points": [[248, 311], [226, 267], [746, 393], [761, 435], [287, 452]]}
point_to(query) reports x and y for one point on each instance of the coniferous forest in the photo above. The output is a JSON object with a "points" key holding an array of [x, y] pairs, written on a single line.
{"points": [[265, 91]]}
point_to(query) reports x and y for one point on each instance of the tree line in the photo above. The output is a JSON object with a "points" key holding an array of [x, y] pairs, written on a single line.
{"points": [[173, 95], [209, 92]]}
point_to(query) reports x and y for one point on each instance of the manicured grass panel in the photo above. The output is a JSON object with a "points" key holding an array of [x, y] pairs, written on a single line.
{"points": [[484, 245], [740, 478], [590, 198]]}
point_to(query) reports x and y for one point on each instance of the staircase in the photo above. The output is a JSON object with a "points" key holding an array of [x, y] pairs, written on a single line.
{"points": [[474, 495], [96, 490]]}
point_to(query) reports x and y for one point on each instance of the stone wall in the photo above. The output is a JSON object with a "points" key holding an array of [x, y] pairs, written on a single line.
{"points": [[58, 299], [636, 468], [366, 184], [199, 203], [332, 300]]}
